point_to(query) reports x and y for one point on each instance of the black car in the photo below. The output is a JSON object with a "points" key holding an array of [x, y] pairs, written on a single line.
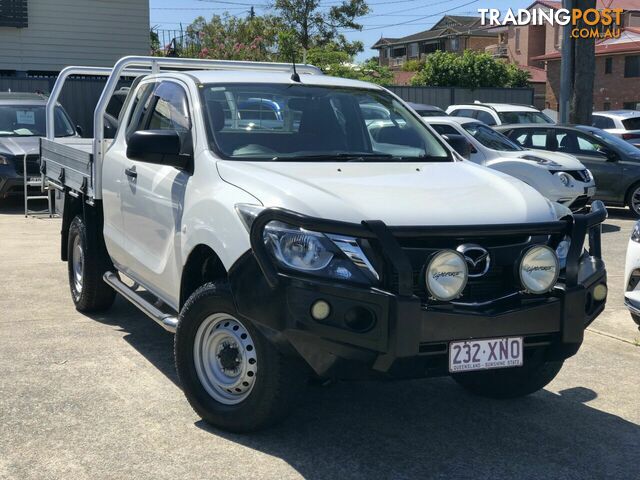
{"points": [[614, 163]]}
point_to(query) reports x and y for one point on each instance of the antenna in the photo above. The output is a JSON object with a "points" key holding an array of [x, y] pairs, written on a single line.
{"points": [[294, 76]]}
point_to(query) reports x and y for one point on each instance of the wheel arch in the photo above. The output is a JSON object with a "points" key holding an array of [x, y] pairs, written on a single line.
{"points": [[203, 265]]}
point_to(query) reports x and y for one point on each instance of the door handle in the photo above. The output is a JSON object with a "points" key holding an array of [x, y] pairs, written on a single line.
{"points": [[131, 172]]}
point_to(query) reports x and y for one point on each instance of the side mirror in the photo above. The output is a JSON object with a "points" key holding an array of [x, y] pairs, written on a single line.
{"points": [[160, 147], [79, 130], [611, 155], [459, 144]]}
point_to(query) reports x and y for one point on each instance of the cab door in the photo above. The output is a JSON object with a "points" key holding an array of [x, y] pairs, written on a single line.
{"points": [[154, 195]]}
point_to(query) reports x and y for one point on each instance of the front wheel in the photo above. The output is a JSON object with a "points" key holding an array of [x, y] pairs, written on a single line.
{"points": [[633, 200], [510, 382], [232, 376]]}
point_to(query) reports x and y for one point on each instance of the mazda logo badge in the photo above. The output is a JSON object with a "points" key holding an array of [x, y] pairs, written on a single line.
{"points": [[477, 259]]}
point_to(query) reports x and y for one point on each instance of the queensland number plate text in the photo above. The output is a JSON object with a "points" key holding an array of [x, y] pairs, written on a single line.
{"points": [[485, 354]]}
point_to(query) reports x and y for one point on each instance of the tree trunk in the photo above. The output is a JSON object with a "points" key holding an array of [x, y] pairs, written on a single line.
{"points": [[581, 105]]}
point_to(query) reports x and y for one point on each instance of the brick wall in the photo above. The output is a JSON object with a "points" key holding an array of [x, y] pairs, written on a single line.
{"points": [[478, 44], [611, 88]]}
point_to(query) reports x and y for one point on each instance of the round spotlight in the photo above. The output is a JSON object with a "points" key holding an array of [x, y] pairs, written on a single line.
{"points": [[446, 275], [320, 310], [539, 269], [600, 292]]}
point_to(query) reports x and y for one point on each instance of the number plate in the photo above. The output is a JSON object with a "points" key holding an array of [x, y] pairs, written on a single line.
{"points": [[34, 179], [591, 191], [485, 354]]}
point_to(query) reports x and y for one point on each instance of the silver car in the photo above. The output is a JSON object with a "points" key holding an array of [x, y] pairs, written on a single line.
{"points": [[22, 123], [621, 123]]}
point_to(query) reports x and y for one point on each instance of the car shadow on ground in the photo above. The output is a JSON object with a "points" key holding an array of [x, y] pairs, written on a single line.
{"points": [[426, 428]]}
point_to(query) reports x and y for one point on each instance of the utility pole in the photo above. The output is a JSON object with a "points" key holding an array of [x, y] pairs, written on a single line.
{"points": [[566, 68], [252, 13]]}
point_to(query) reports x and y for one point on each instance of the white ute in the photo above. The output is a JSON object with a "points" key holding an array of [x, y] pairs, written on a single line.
{"points": [[251, 209]]}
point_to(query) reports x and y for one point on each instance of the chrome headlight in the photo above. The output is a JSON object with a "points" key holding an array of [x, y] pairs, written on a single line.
{"points": [[317, 254], [446, 275], [565, 178], [635, 233], [539, 269]]}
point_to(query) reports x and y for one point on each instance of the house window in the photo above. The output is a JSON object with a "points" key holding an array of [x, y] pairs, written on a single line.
{"points": [[455, 44], [556, 37], [632, 66], [606, 106], [631, 105], [518, 40], [413, 50], [608, 65]]}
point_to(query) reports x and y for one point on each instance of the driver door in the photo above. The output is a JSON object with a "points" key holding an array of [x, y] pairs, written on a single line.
{"points": [[153, 196]]}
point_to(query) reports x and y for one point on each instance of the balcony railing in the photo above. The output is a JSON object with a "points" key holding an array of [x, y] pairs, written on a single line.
{"points": [[498, 51]]}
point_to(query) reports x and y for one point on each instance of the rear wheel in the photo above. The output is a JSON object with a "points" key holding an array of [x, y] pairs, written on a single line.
{"points": [[86, 265], [510, 382], [232, 376]]}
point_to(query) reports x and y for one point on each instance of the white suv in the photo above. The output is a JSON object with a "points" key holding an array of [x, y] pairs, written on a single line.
{"points": [[499, 113], [621, 123], [570, 183]]}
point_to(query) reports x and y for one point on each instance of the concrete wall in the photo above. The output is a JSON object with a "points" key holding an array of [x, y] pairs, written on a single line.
{"points": [[76, 32]]}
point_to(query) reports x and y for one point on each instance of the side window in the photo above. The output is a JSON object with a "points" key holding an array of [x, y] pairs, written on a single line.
{"points": [[486, 117], [588, 145], [539, 138], [139, 108], [463, 112], [602, 122], [444, 129], [567, 141], [171, 111]]}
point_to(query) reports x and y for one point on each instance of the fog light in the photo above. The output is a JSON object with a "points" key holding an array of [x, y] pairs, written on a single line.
{"points": [[600, 292], [360, 319], [320, 310]]}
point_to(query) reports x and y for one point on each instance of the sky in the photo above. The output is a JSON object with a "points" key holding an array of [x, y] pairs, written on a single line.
{"points": [[389, 18]]}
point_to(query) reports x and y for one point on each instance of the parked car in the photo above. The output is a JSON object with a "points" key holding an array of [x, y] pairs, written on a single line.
{"points": [[632, 275], [614, 163], [621, 123], [570, 183], [22, 123], [316, 248], [499, 113], [427, 110]]}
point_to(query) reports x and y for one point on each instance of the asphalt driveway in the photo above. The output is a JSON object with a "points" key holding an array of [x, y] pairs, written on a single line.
{"points": [[97, 398]]}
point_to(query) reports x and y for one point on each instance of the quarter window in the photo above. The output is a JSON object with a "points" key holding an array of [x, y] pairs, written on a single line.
{"points": [[486, 117], [603, 122]]}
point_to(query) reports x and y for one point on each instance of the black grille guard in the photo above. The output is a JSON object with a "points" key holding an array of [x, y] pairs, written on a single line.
{"points": [[576, 227]]}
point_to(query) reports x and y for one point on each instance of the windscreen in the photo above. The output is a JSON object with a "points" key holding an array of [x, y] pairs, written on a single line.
{"points": [[297, 122], [488, 137], [29, 121], [523, 117]]}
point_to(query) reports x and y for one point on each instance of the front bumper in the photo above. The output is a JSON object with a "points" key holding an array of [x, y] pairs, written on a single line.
{"points": [[401, 335]]}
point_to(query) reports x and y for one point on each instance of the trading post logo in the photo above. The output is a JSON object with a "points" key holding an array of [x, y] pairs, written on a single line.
{"points": [[589, 23]]}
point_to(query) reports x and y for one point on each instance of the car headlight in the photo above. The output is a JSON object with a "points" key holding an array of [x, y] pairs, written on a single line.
{"points": [[565, 178], [4, 160], [446, 275], [539, 269], [635, 233], [314, 253]]}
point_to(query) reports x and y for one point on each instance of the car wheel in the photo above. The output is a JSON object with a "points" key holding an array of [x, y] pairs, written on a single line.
{"points": [[636, 318], [86, 265], [510, 382], [633, 200], [232, 376]]}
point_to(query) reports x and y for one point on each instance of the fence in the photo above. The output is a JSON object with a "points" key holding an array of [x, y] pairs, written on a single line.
{"points": [[444, 96], [79, 95]]}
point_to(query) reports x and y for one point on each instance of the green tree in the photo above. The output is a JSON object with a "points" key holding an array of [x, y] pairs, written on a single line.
{"points": [[313, 26], [469, 70]]}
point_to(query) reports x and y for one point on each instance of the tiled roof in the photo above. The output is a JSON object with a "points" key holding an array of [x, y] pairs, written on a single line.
{"points": [[624, 4], [538, 75]]}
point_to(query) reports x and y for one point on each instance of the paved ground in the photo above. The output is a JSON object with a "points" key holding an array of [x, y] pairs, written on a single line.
{"points": [[96, 398]]}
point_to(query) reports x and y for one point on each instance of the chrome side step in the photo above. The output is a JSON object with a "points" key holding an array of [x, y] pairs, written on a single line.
{"points": [[165, 320]]}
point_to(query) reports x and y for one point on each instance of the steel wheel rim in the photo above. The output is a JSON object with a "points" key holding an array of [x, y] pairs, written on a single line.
{"points": [[77, 263], [635, 200], [225, 358]]}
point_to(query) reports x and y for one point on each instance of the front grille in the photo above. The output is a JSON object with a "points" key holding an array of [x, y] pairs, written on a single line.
{"points": [[33, 165], [580, 175], [499, 281]]}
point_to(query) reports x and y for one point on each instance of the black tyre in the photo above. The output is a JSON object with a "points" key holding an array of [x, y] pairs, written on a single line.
{"points": [[87, 262], [506, 383], [231, 375], [636, 318], [633, 200]]}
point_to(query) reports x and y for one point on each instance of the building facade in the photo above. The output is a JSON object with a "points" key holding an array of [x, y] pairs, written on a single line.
{"points": [[44, 36], [451, 34]]}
